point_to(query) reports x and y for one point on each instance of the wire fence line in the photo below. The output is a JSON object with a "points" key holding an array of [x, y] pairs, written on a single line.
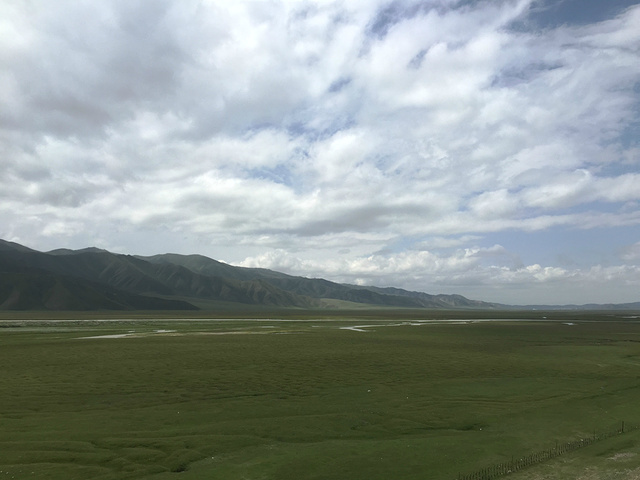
{"points": [[516, 464]]}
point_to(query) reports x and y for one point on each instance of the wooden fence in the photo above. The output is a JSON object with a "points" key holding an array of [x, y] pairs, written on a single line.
{"points": [[515, 464]]}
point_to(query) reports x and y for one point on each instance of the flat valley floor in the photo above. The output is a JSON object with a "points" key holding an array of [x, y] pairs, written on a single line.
{"points": [[354, 397]]}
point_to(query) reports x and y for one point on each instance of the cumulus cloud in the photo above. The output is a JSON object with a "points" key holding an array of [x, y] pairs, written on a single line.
{"points": [[492, 273], [398, 133]]}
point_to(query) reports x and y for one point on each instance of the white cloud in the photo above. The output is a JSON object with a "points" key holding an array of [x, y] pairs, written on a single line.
{"points": [[495, 204], [361, 127], [464, 268], [631, 253]]}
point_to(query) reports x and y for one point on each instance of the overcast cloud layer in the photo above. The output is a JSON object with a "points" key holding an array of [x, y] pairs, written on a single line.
{"points": [[486, 148]]}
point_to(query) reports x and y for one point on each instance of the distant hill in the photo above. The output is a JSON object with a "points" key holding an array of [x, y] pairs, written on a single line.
{"points": [[319, 288], [41, 291], [11, 246], [96, 279], [588, 306]]}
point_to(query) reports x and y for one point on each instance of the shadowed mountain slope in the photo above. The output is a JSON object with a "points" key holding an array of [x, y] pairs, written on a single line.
{"points": [[92, 278], [95, 279], [319, 288], [42, 291]]}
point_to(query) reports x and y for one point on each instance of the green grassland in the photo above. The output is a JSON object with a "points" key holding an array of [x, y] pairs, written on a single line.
{"points": [[302, 397]]}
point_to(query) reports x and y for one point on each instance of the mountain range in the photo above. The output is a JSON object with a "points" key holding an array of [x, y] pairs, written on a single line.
{"points": [[95, 279]]}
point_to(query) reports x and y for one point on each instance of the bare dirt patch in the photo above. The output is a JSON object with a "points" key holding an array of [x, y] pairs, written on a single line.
{"points": [[622, 456]]}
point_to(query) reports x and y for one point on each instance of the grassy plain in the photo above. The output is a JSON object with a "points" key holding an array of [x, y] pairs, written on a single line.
{"points": [[384, 395]]}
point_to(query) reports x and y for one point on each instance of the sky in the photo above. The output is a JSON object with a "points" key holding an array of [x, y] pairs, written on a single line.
{"points": [[484, 148]]}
